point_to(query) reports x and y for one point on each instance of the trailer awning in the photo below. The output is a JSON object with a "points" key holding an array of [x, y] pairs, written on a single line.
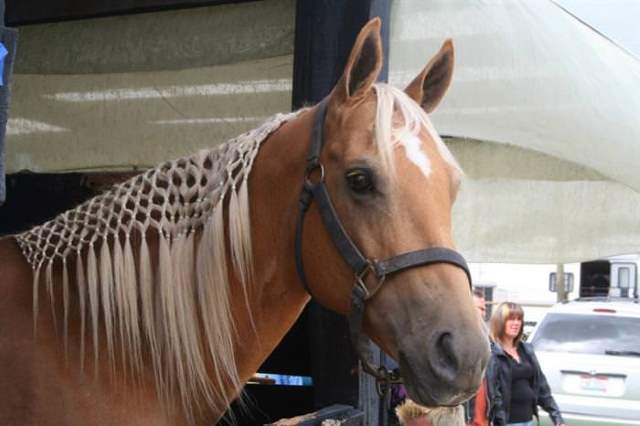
{"points": [[543, 111], [128, 92]]}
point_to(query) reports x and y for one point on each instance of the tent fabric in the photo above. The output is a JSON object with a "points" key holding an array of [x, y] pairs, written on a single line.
{"points": [[542, 112], [531, 78], [132, 121], [124, 93]]}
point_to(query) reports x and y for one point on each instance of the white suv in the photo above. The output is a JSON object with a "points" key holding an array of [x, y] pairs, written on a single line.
{"points": [[589, 350]]}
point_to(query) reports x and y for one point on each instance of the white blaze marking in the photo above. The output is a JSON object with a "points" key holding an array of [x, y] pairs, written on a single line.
{"points": [[413, 150]]}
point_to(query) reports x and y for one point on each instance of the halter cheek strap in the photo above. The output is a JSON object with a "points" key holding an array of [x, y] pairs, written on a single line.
{"points": [[315, 189]]}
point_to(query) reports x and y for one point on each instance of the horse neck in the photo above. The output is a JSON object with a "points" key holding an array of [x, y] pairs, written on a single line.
{"points": [[277, 297]]}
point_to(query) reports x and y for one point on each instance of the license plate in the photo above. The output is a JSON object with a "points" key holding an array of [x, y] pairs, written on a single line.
{"points": [[594, 383]]}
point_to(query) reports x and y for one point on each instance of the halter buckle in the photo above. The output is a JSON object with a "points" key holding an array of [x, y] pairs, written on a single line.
{"points": [[385, 378], [360, 277]]}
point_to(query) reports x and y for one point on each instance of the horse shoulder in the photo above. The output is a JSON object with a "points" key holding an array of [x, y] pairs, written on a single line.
{"points": [[15, 279], [18, 383]]}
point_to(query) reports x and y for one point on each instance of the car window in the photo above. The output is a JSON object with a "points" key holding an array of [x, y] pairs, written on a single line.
{"points": [[589, 334]]}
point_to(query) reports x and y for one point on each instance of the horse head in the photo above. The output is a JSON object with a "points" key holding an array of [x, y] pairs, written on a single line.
{"points": [[392, 183]]}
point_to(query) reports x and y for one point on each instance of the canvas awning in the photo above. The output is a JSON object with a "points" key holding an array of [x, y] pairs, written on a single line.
{"points": [[543, 114], [128, 92]]}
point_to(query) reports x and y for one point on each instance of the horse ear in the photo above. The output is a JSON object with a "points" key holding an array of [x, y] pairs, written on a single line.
{"points": [[364, 64], [429, 87]]}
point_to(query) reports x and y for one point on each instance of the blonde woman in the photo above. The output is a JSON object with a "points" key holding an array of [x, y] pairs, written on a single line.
{"points": [[515, 382]]}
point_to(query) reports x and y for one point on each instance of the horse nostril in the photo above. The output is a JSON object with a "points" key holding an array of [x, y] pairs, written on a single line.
{"points": [[445, 362]]}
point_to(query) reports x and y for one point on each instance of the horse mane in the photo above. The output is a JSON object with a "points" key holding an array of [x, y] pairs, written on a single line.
{"points": [[181, 308]]}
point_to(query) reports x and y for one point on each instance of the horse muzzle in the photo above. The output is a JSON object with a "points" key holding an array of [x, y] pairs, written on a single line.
{"points": [[447, 371]]}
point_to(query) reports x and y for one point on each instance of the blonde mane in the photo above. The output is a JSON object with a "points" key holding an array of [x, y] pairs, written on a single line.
{"points": [[413, 118], [180, 309]]}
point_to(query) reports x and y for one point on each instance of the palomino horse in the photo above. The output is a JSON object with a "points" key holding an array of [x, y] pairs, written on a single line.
{"points": [[154, 302]]}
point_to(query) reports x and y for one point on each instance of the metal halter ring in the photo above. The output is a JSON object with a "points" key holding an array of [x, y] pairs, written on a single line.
{"points": [[359, 280], [385, 378], [309, 170]]}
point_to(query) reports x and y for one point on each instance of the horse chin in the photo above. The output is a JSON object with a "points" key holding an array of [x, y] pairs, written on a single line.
{"points": [[424, 389]]}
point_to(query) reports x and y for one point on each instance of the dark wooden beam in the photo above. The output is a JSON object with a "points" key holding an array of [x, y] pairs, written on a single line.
{"points": [[24, 12], [325, 33]]}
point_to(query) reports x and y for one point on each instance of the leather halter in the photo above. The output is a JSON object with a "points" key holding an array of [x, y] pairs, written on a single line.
{"points": [[361, 266]]}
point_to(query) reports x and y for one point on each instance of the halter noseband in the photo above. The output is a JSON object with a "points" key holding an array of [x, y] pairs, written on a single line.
{"points": [[361, 266]]}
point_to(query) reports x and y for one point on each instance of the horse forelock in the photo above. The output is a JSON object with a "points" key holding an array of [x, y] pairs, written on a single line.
{"points": [[180, 203], [413, 120]]}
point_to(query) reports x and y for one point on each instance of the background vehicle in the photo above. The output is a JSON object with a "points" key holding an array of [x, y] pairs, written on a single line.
{"points": [[589, 350]]}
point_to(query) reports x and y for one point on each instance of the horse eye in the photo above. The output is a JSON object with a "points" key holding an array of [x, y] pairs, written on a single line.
{"points": [[360, 180]]}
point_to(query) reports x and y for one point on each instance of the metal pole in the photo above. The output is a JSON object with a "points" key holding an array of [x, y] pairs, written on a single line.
{"points": [[562, 293]]}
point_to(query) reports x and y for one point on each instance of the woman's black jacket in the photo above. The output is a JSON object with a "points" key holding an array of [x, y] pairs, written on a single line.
{"points": [[499, 386]]}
